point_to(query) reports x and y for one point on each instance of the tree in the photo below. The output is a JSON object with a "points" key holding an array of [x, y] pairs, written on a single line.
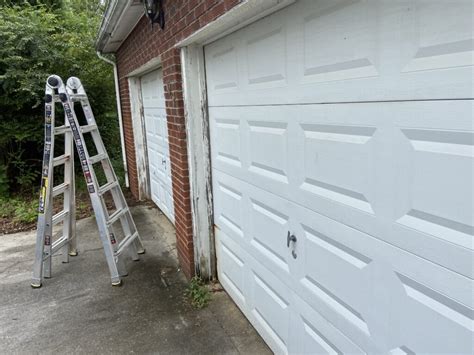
{"points": [[37, 39], [52, 4]]}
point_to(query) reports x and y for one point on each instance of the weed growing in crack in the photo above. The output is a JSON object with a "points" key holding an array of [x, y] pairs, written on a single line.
{"points": [[198, 293]]}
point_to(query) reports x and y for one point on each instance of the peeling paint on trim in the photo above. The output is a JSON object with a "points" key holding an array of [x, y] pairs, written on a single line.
{"points": [[200, 176], [138, 124]]}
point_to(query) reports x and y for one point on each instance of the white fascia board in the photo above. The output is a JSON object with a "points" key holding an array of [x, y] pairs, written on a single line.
{"points": [[120, 19], [239, 16]]}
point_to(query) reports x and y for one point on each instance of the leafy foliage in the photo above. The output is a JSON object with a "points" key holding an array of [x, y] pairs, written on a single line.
{"points": [[40, 38], [198, 293], [19, 209]]}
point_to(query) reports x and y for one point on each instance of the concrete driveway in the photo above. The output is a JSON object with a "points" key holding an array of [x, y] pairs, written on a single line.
{"points": [[78, 311]]}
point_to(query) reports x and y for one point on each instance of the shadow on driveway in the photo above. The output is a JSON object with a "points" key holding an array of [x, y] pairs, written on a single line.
{"points": [[78, 311]]}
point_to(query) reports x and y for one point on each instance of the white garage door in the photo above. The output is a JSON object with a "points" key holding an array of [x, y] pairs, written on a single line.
{"points": [[157, 142], [349, 125]]}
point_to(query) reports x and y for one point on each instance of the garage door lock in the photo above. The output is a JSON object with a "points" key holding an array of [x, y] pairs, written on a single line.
{"points": [[291, 238]]}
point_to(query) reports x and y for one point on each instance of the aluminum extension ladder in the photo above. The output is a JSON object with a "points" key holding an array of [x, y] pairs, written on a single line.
{"points": [[46, 246]]}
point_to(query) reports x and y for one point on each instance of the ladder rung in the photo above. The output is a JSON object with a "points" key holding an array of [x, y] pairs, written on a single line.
{"points": [[97, 158], [116, 215], [107, 187], [125, 243], [60, 160], [77, 97], [57, 244], [58, 217], [88, 128], [57, 190], [61, 129]]}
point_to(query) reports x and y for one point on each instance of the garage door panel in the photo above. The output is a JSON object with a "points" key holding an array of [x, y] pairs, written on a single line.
{"points": [[263, 298], [326, 263], [267, 221], [229, 205], [262, 73], [442, 179], [442, 171], [332, 154], [268, 150], [349, 248], [426, 316], [157, 142], [270, 306], [357, 250], [373, 51], [330, 278], [337, 278], [433, 249], [355, 163], [347, 138], [155, 188], [232, 270], [245, 141], [317, 336], [314, 341], [226, 140], [348, 29], [152, 89], [224, 76], [269, 227], [341, 266], [434, 182], [446, 45]]}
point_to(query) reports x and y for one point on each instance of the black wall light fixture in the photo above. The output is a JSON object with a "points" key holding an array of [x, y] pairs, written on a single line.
{"points": [[154, 11]]}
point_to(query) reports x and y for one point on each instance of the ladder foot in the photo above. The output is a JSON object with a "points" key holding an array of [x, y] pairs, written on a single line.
{"points": [[35, 285], [73, 253], [117, 283], [142, 251]]}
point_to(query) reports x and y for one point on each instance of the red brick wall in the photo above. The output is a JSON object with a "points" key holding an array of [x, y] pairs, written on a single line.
{"points": [[183, 17]]}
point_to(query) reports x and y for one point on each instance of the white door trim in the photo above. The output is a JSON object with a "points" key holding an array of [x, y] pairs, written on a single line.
{"points": [[199, 162], [197, 122], [139, 137]]}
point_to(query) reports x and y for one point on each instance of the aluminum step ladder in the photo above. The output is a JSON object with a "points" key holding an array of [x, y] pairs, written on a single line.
{"points": [[48, 244], [116, 245]]}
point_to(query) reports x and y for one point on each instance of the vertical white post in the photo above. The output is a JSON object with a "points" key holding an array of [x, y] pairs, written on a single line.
{"points": [[197, 133]]}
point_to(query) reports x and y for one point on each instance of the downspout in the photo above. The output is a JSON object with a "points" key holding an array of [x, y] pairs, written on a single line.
{"points": [[119, 113]]}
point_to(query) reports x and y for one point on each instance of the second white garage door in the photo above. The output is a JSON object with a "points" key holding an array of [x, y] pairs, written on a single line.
{"points": [[156, 127], [342, 154]]}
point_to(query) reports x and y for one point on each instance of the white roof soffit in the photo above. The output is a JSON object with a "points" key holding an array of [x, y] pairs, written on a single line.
{"points": [[241, 15], [120, 18]]}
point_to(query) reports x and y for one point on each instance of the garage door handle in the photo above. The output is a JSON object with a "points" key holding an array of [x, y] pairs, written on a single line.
{"points": [[290, 238]]}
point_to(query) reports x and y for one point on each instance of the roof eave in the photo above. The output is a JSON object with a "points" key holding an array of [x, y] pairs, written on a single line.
{"points": [[120, 18]]}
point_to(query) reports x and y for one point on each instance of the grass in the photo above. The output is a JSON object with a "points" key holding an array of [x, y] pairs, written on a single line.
{"points": [[19, 212], [19, 209], [198, 293]]}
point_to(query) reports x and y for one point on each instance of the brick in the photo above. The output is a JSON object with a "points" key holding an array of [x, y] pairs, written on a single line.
{"points": [[183, 17]]}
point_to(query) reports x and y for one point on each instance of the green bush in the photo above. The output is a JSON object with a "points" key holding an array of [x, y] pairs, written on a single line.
{"points": [[19, 209], [40, 38]]}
